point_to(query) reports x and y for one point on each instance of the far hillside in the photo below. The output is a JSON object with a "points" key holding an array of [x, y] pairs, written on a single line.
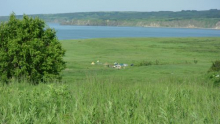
{"points": [[180, 19]]}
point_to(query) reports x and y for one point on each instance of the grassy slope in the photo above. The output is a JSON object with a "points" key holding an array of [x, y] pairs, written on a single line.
{"points": [[174, 91]]}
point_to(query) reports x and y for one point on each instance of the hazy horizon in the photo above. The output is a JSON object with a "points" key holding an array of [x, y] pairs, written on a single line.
{"points": [[96, 11], [72, 6]]}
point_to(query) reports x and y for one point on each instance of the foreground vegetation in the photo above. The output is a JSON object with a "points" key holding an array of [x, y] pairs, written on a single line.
{"points": [[175, 88], [104, 101], [29, 49]]}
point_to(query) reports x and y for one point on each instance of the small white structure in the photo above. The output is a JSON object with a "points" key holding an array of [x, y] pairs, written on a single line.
{"points": [[125, 65], [92, 63], [117, 66]]}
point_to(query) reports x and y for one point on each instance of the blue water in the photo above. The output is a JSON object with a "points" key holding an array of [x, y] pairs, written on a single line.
{"points": [[85, 32]]}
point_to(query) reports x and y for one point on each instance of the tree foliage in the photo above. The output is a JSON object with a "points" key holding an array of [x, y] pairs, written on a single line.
{"points": [[29, 49]]}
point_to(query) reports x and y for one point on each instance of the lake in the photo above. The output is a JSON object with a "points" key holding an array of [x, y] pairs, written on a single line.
{"points": [[65, 32]]}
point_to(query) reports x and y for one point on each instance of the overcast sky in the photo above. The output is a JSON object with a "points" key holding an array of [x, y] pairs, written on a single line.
{"points": [[66, 6]]}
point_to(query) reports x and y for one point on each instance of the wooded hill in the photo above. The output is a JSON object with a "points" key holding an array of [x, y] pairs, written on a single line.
{"points": [[184, 19]]}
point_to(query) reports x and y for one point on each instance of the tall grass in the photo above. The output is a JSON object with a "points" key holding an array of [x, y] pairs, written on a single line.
{"points": [[172, 89], [173, 100]]}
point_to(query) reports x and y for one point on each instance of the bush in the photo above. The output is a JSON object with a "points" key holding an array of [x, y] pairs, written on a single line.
{"points": [[145, 63], [214, 78], [195, 61], [214, 73], [29, 49], [215, 66]]}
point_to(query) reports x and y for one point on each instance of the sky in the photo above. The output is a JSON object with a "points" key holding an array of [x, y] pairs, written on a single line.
{"points": [[21, 7]]}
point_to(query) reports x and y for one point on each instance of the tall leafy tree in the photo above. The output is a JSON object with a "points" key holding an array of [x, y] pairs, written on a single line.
{"points": [[29, 49]]}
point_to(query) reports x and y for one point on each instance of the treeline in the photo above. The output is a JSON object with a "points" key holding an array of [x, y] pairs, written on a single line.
{"points": [[185, 18], [184, 23], [169, 15]]}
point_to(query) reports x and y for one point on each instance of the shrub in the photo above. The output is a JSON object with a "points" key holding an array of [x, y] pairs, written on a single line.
{"points": [[214, 72], [214, 78], [195, 61], [29, 49], [145, 63], [215, 66]]}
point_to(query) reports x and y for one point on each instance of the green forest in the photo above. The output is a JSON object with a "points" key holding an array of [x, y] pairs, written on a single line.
{"points": [[180, 19]]}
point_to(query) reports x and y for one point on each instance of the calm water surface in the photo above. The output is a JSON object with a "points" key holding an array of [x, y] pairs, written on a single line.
{"points": [[65, 32]]}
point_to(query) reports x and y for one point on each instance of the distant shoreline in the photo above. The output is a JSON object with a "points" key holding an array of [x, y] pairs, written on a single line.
{"points": [[186, 28], [207, 19], [143, 26]]}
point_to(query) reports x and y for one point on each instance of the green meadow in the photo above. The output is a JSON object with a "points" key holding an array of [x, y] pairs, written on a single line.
{"points": [[168, 83], [169, 57]]}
